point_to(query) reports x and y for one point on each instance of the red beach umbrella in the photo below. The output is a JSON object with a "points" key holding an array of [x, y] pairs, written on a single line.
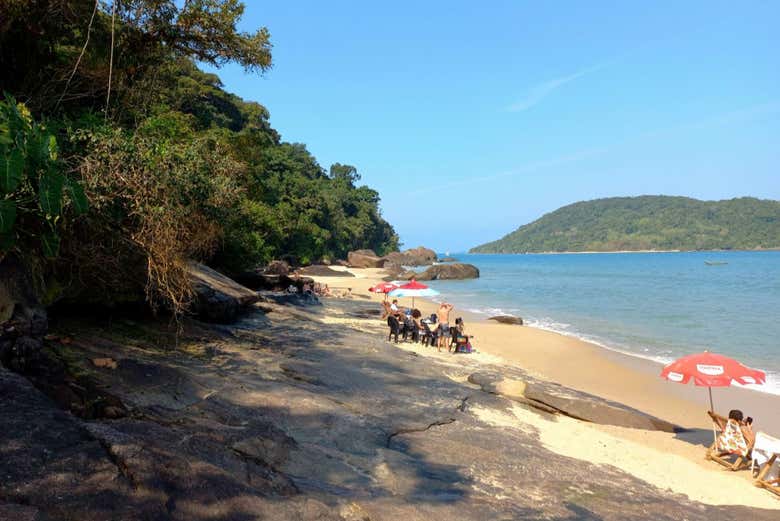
{"points": [[711, 370], [413, 289], [413, 285], [383, 287]]}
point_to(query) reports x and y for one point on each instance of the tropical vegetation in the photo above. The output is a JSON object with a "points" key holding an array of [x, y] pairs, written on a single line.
{"points": [[120, 159], [648, 223]]}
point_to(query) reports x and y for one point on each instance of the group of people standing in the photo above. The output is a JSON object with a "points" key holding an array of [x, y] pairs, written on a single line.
{"points": [[411, 320]]}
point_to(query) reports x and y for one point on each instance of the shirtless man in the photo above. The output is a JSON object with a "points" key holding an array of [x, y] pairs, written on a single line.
{"points": [[443, 316]]}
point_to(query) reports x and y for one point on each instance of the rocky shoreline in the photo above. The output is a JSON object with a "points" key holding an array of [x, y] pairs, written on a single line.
{"points": [[297, 413]]}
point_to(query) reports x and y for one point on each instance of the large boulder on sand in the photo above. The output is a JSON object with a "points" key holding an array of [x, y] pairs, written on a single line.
{"points": [[419, 256], [454, 271], [217, 297], [556, 399], [364, 259]]}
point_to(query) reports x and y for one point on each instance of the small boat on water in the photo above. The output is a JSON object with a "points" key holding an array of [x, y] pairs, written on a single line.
{"points": [[715, 263]]}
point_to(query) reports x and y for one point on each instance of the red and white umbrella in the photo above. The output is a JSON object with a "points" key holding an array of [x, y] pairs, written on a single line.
{"points": [[413, 289], [711, 370], [384, 287]]}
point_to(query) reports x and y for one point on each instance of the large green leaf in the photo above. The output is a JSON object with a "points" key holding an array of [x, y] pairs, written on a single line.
{"points": [[11, 170], [7, 215], [51, 244], [7, 241], [50, 192], [77, 196], [37, 152]]}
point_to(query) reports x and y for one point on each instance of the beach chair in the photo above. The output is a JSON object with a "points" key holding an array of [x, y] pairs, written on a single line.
{"points": [[454, 333], [772, 485], [766, 452], [409, 329], [395, 327], [720, 428]]}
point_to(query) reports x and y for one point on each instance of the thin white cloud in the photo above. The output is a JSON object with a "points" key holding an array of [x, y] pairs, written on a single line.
{"points": [[725, 118], [540, 91]]}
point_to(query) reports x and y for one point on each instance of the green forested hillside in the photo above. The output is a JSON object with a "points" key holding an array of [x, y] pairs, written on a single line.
{"points": [[648, 223], [120, 159]]}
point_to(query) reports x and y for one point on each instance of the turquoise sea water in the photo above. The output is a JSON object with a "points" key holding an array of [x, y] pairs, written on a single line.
{"points": [[654, 305]]}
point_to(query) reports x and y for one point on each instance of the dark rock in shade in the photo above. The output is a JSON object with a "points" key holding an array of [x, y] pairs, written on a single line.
{"points": [[318, 270], [448, 259], [292, 299], [364, 259], [217, 297], [23, 319], [277, 267], [508, 319], [419, 256], [454, 271]]}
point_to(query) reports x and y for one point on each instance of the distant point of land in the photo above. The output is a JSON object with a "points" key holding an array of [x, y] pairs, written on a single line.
{"points": [[647, 223]]}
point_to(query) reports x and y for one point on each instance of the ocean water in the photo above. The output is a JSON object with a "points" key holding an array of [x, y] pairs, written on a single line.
{"points": [[658, 306]]}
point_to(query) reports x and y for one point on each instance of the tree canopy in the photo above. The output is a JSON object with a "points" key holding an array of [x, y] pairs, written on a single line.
{"points": [[155, 162]]}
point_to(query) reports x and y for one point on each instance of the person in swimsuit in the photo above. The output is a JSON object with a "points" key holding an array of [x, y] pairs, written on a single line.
{"points": [[443, 316]]}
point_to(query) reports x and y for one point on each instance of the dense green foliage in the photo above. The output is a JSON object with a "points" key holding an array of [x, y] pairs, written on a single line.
{"points": [[173, 166], [648, 223], [32, 184]]}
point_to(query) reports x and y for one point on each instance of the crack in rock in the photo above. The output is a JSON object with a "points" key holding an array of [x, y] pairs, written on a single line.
{"points": [[407, 431]]}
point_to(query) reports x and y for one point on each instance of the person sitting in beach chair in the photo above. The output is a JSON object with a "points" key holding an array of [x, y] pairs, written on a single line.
{"points": [[386, 311], [409, 327], [419, 330], [461, 340], [430, 334], [736, 438], [395, 327]]}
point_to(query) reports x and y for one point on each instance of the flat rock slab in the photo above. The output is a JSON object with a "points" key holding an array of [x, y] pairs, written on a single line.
{"points": [[324, 271], [292, 417]]}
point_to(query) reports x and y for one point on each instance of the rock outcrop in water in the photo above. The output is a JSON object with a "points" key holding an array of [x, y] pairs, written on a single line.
{"points": [[454, 271], [508, 319]]}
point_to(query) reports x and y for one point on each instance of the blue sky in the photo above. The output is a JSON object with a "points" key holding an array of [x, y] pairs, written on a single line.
{"points": [[471, 120]]}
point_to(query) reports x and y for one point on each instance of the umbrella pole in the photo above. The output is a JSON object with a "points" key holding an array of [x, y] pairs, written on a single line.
{"points": [[714, 432]]}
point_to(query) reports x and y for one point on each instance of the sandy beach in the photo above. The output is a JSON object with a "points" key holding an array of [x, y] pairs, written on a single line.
{"points": [[674, 461]]}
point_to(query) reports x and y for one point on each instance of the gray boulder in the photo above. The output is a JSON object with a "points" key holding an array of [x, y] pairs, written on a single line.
{"points": [[454, 271], [555, 398], [217, 297], [508, 319]]}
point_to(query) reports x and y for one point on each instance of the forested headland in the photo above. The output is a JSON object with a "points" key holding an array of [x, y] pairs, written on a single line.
{"points": [[120, 159], [648, 223]]}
